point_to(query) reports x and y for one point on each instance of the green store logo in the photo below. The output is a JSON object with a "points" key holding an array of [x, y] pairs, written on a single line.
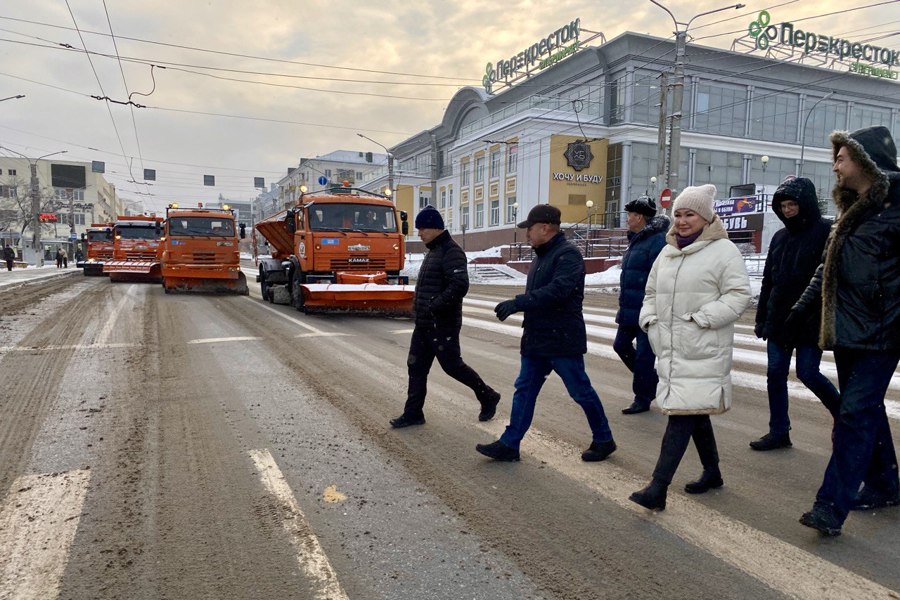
{"points": [[759, 30]]}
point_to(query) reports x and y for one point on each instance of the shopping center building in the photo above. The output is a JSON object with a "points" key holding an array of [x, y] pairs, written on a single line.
{"points": [[582, 132]]}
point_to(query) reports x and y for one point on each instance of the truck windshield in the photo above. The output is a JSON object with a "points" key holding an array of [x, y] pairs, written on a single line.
{"points": [[352, 217], [201, 226], [99, 236], [137, 233]]}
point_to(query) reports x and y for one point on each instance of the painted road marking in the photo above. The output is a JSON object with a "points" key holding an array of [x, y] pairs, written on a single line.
{"points": [[310, 555], [4, 349], [246, 338], [291, 319], [37, 525], [104, 334], [779, 565]]}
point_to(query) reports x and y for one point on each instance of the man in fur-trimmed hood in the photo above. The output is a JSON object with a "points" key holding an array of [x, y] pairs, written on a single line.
{"points": [[859, 289]]}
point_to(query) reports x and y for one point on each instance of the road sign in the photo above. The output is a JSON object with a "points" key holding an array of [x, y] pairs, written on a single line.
{"points": [[665, 198], [322, 180], [73, 236]]}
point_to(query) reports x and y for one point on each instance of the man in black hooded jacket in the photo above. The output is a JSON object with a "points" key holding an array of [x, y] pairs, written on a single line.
{"points": [[858, 288], [794, 254], [442, 283]]}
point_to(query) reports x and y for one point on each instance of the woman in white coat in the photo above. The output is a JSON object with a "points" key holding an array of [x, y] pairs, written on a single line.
{"points": [[697, 289]]}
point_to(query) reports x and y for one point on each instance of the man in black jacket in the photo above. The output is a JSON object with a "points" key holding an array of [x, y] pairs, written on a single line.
{"points": [[442, 283], [858, 288], [554, 338], [794, 254]]}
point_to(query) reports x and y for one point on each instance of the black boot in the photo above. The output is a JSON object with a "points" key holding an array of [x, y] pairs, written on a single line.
{"points": [[710, 479], [652, 497], [489, 400]]}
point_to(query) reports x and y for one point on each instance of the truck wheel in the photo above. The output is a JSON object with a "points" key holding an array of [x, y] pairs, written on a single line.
{"points": [[264, 286], [297, 289]]}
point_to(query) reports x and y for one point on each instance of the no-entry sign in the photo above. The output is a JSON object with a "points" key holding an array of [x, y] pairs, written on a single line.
{"points": [[665, 198]]}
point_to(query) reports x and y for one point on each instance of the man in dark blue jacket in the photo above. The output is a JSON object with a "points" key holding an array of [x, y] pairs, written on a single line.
{"points": [[646, 239], [794, 254], [442, 283], [858, 289], [554, 337]]}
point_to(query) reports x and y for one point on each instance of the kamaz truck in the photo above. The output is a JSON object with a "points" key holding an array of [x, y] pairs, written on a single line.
{"points": [[200, 251], [340, 249], [137, 250], [99, 240]]}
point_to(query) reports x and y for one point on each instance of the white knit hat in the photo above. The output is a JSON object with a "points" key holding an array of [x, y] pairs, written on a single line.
{"points": [[698, 199]]}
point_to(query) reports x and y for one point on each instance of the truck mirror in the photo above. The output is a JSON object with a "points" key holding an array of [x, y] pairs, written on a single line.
{"points": [[158, 228], [290, 221], [243, 227], [404, 227]]}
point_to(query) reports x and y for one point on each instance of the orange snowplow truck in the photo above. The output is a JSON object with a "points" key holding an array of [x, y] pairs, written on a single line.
{"points": [[200, 251], [99, 239], [338, 250], [137, 251]]}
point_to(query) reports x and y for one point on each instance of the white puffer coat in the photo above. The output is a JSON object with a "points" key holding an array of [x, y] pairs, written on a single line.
{"points": [[694, 296]]}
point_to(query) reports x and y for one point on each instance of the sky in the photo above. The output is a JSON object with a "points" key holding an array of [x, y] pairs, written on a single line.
{"points": [[240, 90]]}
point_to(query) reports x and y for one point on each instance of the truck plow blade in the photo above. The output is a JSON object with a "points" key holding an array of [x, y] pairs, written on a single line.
{"points": [[393, 300], [133, 270], [198, 285]]}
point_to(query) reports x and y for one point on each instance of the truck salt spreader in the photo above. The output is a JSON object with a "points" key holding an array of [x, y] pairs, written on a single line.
{"points": [[340, 249], [200, 251]]}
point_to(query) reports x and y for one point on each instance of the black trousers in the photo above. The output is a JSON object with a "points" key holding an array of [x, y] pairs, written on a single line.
{"points": [[679, 431], [442, 343]]}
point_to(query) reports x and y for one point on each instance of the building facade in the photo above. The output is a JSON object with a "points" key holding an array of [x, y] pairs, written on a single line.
{"points": [[71, 197], [584, 134]]}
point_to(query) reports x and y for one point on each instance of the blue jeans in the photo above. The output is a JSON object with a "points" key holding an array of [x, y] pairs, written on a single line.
{"points": [[863, 448], [808, 360], [532, 375], [633, 347]]}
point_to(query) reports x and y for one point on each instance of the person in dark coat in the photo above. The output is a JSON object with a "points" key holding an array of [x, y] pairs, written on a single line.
{"points": [[794, 254], [59, 258], [646, 239], [442, 283], [9, 255], [554, 337], [858, 289]]}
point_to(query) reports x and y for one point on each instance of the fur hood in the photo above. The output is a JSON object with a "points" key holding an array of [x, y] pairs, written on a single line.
{"points": [[803, 192]]}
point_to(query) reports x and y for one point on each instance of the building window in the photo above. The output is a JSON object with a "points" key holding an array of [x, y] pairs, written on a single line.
{"points": [[721, 109], [464, 170], [9, 191], [79, 218], [479, 215], [423, 200], [328, 173], [510, 211], [464, 217], [443, 199], [495, 164], [11, 172], [495, 212], [66, 194], [773, 116], [479, 169], [512, 158]]}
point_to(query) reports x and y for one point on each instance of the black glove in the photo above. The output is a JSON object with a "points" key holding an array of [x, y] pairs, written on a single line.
{"points": [[793, 327], [759, 331], [505, 308]]}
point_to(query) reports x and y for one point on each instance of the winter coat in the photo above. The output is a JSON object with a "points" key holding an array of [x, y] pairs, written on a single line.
{"points": [[643, 248], [442, 283], [9, 253], [794, 254], [694, 295], [858, 285], [554, 292]]}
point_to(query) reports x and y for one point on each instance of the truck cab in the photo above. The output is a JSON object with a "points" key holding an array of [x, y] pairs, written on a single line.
{"points": [[99, 240]]}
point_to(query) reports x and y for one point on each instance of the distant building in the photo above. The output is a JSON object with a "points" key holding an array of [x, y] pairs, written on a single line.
{"points": [[72, 196], [326, 171]]}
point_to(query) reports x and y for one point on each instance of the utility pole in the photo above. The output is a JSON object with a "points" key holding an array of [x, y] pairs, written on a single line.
{"points": [[434, 172], [661, 169], [678, 89], [390, 163]]}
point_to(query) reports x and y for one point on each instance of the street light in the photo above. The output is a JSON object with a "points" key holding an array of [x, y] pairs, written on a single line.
{"points": [[587, 241], [515, 207], [35, 203], [390, 158], [678, 89], [803, 133], [764, 159], [653, 185]]}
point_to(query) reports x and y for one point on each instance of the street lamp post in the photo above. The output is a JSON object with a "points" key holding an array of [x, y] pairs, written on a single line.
{"points": [[515, 207], [587, 240], [36, 243], [803, 133], [764, 159], [678, 88], [390, 158]]}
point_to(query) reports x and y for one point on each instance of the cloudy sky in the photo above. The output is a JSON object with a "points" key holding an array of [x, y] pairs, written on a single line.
{"points": [[245, 89]]}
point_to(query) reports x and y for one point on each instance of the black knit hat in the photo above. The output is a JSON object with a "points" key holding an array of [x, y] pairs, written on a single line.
{"points": [[645, 205], [429, 218]]}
